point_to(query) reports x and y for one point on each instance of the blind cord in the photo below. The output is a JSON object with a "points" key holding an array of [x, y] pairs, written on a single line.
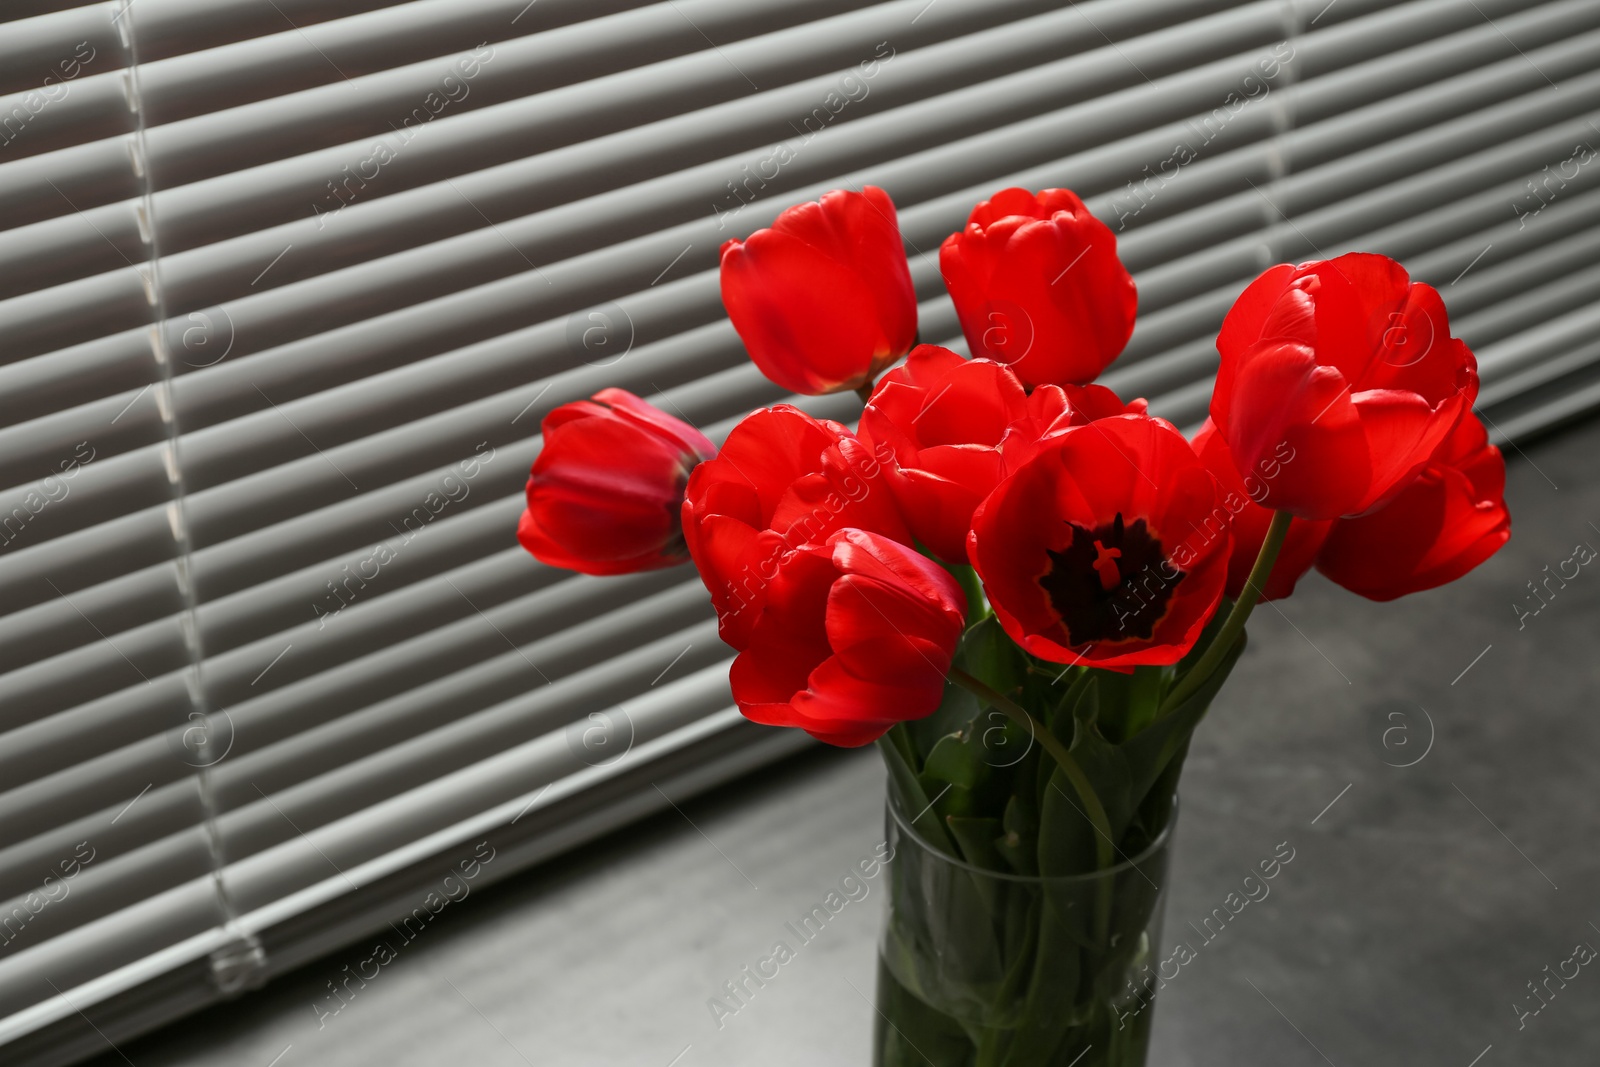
{"points": [[1281, 100], [207, 736]]}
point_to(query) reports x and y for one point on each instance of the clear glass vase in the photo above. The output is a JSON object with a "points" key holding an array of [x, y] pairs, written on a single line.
{"points": [[979, 968]]}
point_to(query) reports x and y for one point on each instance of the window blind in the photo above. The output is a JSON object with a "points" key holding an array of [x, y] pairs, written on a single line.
{"points": [[286, 287]]}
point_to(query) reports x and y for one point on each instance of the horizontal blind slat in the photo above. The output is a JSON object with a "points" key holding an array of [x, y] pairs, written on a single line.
{"points": [[57, 48]]}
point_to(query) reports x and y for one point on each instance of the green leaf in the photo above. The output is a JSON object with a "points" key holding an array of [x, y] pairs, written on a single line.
{"points": [[1021, 817], [1021, 940], [1064, 856], [1149, 752], [948, 800], [1018, 852], [1069, 842], [953, 715], [1052, 994], [1112, 706], [907, 1032], [954, 761], [1066, 836], [1018, 842], [975, 838], [953, 775], [1081, 698], [988, 652], [970, 768], [1107, 770], [907, 795], [999, 743], [1155, 810], [1148, 686]]}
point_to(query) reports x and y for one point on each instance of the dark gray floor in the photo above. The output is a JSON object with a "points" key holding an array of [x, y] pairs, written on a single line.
{"points": [[1420, 902]]}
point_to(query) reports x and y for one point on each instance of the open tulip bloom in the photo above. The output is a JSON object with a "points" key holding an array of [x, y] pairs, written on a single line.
{"points": [[1025, 590]]}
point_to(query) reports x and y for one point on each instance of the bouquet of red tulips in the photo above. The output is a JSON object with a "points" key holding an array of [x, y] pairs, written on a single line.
{"points": [[1024, 589]]}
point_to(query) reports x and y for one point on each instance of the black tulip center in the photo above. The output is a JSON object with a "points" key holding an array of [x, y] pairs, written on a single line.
{"points": [[1111, 583]]}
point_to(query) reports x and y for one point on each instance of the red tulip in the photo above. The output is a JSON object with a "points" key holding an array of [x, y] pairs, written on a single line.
{"points": [[955, 426], [857, 635], [782, 480], [605, 493], [1351, 366], [1038, 286], [1091, 402], [823, 300], [1109, 547], [1442, 525], [1250, 520]]}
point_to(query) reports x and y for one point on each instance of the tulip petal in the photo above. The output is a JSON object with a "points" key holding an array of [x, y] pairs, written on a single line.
{"points": [[1358, 321], [1244, 325], [1402, 431], [1038, 286], [845, 704], [1448, 520], [1250, 522], [606, 491], [823, 299], [1284, 403], [945, 420], [808, 321], [854, 636], [974, 404], [875, 631], [1133, 484], [634, 410], [1359, 317]]}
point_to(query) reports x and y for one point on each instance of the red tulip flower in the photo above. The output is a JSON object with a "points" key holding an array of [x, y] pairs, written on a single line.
{"points": [[1442, 525], [1250, 519], [1351, 366], [1109, 547], [955, 426], [782, 480], [1091, 402], [605, 493], [1038, 286], [857, 635], [823, 300]]}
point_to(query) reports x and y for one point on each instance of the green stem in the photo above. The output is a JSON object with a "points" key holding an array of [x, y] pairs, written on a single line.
{"points": [[1218, 649], [1069, 766], [972, 588], [899, 737]]}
